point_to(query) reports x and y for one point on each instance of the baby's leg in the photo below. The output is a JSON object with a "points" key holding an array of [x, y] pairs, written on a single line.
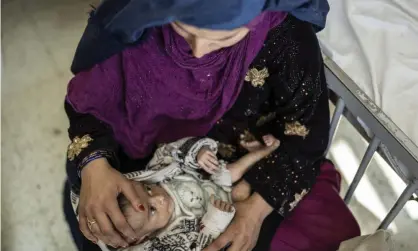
{"points": [[241, 191], [241, 166]]}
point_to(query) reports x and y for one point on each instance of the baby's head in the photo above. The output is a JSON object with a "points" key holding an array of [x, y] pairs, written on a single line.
{"points": [[157, 209]]}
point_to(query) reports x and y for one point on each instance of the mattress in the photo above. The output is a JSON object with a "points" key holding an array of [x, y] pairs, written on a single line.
{"points": [[376, 43]]}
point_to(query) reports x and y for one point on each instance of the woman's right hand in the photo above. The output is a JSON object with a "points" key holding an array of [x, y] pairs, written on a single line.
{"points": [[100, 217]]}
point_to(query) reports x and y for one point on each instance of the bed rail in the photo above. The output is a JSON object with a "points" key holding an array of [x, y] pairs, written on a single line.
{"points": [[354, 104]]}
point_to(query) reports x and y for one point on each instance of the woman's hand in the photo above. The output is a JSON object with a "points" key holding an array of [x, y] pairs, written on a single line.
{"points": [[99, 212], [243, 231]]}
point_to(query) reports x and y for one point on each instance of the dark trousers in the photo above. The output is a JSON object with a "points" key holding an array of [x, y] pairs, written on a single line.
{"points": [[267, 232]]}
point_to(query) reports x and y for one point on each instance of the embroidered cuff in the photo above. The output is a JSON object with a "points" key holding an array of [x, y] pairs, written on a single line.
{"points": [[93, 156]]}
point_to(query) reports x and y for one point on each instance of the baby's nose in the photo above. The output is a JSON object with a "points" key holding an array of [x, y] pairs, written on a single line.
{"points": [[159, 199]]}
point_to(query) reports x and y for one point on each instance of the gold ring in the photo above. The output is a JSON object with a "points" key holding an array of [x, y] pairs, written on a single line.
{"points": [[90, 223]]}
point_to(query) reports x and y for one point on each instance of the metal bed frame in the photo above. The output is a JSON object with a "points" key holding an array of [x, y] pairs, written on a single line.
{"points": [[350, 101]]}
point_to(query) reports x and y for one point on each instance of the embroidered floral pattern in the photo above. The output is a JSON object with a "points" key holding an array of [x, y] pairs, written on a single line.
{"points": [[257, 77], [265, 119], [298, 198], [226, 151], [78, 144], [247, 136], [296, 129]]}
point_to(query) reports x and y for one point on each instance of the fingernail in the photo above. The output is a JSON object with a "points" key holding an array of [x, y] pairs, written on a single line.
{"points": [[141, 207]]}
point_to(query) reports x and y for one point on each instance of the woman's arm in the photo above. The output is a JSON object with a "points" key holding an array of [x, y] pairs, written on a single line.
{"points": [[91, 139], [301, 118], [94, 150]]}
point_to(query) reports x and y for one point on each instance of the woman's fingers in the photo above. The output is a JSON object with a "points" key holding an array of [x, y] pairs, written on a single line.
{"points": [[222, 241], [85, 229], [239, 244], [110, 236], [119, 221], [94, 228], [128, 189]]}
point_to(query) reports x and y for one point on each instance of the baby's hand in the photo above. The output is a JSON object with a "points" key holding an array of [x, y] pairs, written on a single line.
{"points": [[221, 205], [207, 160]]}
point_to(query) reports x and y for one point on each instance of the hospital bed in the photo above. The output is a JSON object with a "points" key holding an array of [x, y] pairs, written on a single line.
{"points": [[370, 51]]}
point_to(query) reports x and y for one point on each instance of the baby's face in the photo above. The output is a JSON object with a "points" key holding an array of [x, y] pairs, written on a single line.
{"points": [[159, 208]]}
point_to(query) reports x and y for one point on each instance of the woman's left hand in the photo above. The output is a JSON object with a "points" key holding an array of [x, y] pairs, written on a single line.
{"points": [[243, 231]]}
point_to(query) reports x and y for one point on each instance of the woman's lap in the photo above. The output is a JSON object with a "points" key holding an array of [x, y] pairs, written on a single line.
{"points": [[320, 222]]}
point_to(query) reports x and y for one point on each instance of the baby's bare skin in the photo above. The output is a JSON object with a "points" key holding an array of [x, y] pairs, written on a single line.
{"points": [[256, 151]]}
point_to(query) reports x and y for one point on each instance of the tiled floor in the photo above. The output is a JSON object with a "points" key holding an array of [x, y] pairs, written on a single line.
{"points": [[38, 39]]}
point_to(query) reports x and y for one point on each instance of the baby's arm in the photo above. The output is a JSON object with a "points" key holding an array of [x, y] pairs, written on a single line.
{"points": [[241, 166], [218, 216], [185, 151]]}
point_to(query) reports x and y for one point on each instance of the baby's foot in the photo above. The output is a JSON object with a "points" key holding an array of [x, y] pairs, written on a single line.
{"points": [[270, 140], [270, 144], [251, 146]]}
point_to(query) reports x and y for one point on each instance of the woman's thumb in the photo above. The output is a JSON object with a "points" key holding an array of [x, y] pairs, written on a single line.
{"points": [[130, 193]]}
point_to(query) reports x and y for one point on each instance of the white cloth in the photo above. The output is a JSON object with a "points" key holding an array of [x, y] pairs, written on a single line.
{"points": [[379, 241], [375, 43]]}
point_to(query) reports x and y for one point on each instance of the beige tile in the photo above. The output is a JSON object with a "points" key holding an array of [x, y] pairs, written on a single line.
{"points": [[25, 58], [31, 233], [33, 144], [60, 30]]}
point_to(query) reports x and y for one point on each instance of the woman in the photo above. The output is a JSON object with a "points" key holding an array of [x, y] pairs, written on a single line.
{"points": [[181, 81]]}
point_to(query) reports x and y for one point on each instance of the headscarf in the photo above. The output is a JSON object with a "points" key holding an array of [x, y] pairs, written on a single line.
{"points": [[116, 24], [157, 92], [134, 16]]}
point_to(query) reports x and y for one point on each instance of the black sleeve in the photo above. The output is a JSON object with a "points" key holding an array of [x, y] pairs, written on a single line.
{"points": [[90, 139], [301, 121]]}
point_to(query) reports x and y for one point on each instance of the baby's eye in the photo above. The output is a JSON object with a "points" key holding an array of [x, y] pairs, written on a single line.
{"points": [[148, 188], [152, 210]]}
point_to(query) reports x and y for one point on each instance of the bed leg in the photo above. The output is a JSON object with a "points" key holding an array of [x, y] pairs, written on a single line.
{"points": [[336, 118], [371, 149], [399, 204]]}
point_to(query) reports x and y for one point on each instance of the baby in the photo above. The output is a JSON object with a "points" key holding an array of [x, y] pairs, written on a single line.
{"points": [[186, 193]]}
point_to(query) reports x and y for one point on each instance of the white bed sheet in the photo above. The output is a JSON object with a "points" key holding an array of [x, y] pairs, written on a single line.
{"points": [[376, 43]]}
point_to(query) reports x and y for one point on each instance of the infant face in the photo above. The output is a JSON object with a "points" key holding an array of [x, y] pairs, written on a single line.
{"points": [[158, 208]]}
